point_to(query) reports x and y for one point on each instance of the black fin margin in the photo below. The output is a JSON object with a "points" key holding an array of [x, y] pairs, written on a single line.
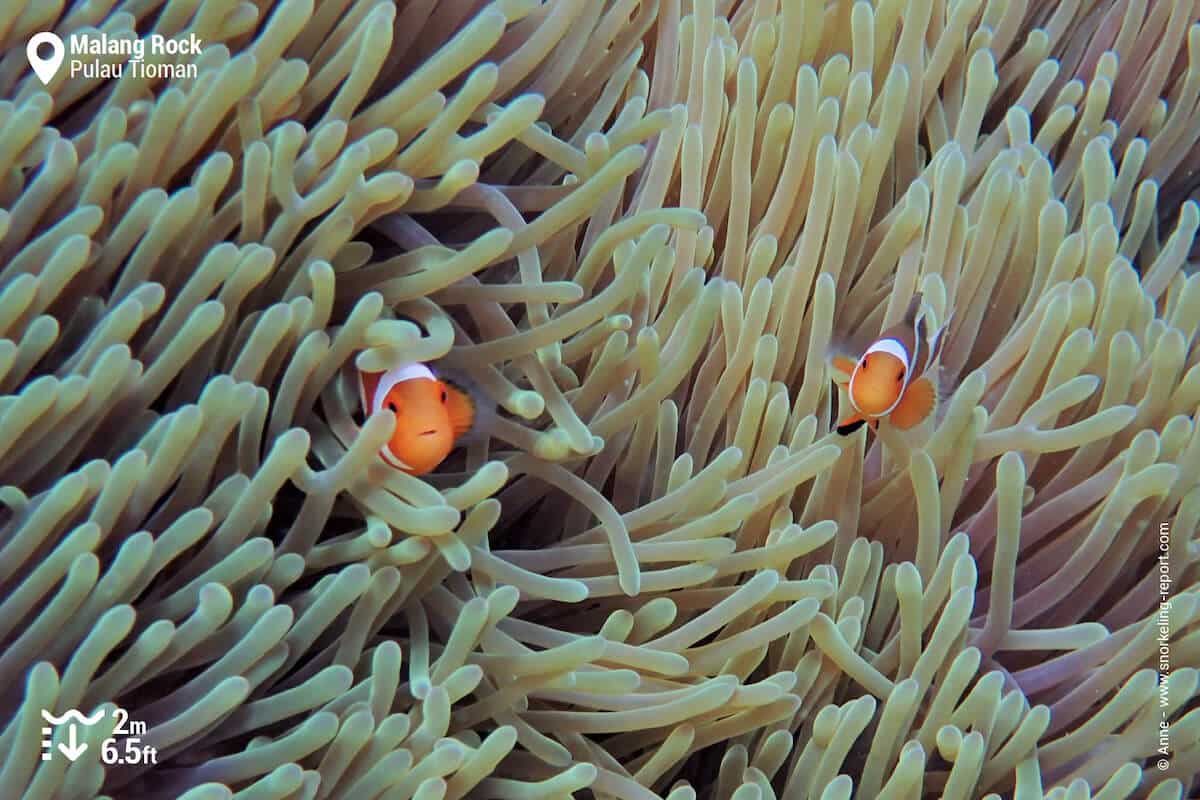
{"points": [[846, 430]]}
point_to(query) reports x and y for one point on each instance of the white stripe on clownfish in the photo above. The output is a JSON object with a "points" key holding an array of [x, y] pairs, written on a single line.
{"points": [[404, 372]]}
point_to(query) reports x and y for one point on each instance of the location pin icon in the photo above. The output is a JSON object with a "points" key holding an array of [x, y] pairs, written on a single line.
{"points": [[45, 67]]}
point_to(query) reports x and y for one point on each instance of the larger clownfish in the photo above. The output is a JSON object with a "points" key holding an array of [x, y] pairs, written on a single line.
{"points": [[431, 415], [890, 379]]}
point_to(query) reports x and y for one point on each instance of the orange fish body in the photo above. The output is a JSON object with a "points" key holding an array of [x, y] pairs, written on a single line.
{"points": [[431, 415], [890, 379]]}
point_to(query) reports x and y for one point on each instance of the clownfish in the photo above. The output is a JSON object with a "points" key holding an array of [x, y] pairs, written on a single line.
{"points": [[431, 415], [890, 379]]}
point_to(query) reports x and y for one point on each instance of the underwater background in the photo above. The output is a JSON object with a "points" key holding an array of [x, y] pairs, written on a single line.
{"points": [[637, 230]]}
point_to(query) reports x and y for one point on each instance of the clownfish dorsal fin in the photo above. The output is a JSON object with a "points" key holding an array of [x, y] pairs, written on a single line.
{"points": [[914, 358], [919, 324], [914, 307], [368, 382], [938, 340]]}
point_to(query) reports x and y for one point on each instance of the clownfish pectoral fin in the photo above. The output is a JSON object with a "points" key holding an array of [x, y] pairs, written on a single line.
{"points": [[916, 405], [851, 424], [461, 408], [842, 364]]}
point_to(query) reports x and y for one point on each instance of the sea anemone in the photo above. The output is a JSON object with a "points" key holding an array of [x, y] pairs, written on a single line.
{"points": [[638, 229]]}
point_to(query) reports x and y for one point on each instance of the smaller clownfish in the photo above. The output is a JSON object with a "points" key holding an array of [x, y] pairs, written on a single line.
{"points": [[431, 415], [891, 380]]}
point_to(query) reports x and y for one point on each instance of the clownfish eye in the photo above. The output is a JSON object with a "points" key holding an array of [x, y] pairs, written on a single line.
{"points": [[900, 377], [390, 405], [443, 395]]}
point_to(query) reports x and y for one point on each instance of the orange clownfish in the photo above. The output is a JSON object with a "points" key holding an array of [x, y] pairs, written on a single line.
{"points": [[891, 380], [431, 415]]}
